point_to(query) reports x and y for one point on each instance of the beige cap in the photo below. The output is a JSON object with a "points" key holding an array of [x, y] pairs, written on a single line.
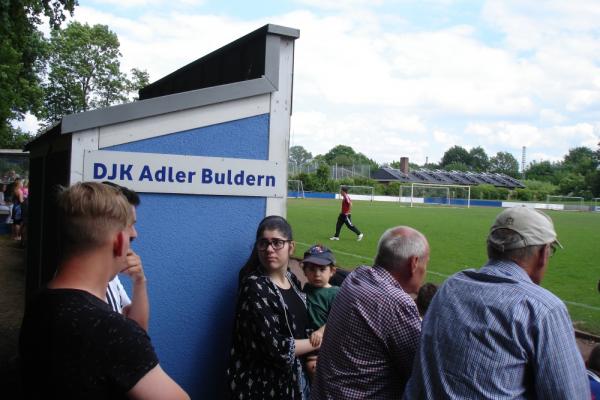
{"points": [[534, 226]]}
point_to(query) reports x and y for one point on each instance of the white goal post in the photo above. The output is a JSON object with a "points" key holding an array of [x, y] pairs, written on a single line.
{"points": [[447, 194], [573, 200], [360, 192], [296, 186]]}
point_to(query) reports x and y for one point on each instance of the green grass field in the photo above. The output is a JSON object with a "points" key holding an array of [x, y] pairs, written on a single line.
{"points": [[457, 238]]}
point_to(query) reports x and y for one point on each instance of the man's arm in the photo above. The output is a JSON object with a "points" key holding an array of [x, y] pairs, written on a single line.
{"points": [[139, 309], [156, 384]]}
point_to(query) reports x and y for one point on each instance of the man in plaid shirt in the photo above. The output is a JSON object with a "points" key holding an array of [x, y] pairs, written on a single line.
{"points": [[374, 326]]}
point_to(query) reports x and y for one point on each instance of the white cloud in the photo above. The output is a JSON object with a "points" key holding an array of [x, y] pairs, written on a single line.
{"points": [[379, 135], [445, 138], [541, 156], [411, 91], [514, 136], [553, 117], [29, 124]]}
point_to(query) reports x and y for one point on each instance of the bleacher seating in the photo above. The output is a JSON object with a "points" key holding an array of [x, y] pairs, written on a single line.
{"points": [[387, 174]]}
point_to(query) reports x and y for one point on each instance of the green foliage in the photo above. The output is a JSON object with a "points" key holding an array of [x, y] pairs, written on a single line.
{"points": [[391, 189], [299, 155], [431, 166], [572, 184], [139, 79], [593, 180], [346, 156], [505, 163], [543, 187], [478, 159], [542, 171], [455, 155], [580, 160], [84, 70], [456, 166], [22, 53], [488, 192], [13, 138]]}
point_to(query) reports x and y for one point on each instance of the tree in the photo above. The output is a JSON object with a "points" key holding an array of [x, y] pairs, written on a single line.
{"points": [[139, 79], [542, 171], [479, 160], [13, 138], [504, 163], [299, 155], [22, 54], [455, 154], [345, 155], [572, 184], [456, 166], [85, 73], [580, 160]]}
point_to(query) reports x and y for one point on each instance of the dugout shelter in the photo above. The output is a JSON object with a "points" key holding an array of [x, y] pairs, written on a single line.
{"points": [[206, 147]]}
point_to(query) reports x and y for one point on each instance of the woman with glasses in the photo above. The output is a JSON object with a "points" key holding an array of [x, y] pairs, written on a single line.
{"points": [[271, 321]]}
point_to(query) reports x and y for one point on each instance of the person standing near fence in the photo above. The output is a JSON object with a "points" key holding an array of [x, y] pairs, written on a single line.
{"points": [[345, 217]]}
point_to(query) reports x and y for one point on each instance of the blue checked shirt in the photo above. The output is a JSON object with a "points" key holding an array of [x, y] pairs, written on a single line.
{"points": [[494, 334], [370, 340]]}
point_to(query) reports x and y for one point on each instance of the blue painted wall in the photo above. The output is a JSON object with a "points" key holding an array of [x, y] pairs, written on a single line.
{"points": [[313, 195], [192, 248]]}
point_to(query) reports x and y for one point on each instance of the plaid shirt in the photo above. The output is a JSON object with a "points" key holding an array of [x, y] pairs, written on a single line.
{"points": [[494, 334], [370, 341]]}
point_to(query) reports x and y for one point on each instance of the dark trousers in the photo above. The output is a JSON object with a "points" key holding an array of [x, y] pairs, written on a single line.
{"points": [[345, 219]]}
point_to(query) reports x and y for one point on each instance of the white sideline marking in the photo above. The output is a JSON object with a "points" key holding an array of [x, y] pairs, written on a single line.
{"points": [[582, 305], [572, 303]]}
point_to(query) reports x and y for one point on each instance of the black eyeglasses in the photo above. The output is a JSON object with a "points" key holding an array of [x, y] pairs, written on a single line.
{"points": [[276, 244]]}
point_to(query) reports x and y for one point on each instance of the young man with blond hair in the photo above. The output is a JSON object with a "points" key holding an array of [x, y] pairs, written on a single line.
{"points": [[72, 344]]}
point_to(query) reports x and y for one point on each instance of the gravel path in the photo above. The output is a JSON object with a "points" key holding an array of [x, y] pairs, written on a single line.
{"points": [[12, 298]]}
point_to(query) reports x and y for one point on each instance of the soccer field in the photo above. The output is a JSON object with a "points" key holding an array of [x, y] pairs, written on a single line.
{"points": [[457, 238]]}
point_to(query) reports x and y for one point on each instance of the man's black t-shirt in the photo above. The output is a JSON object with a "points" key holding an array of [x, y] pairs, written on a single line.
{"points": [[73, 346]]}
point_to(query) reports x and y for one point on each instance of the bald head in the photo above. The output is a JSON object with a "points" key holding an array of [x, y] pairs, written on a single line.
{"points": [[398, 244], [404, 253]]}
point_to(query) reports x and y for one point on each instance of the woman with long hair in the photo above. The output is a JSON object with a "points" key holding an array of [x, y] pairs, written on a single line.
{"points": [[271, 321]]}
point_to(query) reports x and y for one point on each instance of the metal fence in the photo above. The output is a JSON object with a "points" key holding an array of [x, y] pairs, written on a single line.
{"points": [[337, 171]]}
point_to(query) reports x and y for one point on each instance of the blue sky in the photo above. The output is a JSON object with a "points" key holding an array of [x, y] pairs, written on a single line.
{"points": [[400, 78]]}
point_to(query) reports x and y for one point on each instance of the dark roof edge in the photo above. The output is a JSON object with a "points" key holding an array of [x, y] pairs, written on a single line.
{"points": [[42, 135], [282, 31], [273, 29], [165, 104]]}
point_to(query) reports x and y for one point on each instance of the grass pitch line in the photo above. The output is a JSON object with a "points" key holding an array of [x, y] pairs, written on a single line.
{"points": [[572, 303]]}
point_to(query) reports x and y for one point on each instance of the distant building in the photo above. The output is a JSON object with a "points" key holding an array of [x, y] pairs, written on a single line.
{"points": [[388, 175]]}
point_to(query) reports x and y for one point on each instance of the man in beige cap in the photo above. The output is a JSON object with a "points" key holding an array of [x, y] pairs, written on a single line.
{"points": [[494, 333]]}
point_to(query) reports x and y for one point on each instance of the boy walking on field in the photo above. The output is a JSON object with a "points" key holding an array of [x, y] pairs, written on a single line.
{"points": [[345, 217]]}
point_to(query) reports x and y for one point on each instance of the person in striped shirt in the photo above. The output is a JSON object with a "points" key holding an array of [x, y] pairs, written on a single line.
{"points": [[494, 333]]}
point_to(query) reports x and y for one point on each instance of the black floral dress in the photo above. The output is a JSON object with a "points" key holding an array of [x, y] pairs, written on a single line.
{"points": [[262, 361]]}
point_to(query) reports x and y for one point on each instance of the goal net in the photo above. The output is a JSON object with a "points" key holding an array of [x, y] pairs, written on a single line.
{"points": [[360, 192], [295, 189], [565, 202], [427, 194]]}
